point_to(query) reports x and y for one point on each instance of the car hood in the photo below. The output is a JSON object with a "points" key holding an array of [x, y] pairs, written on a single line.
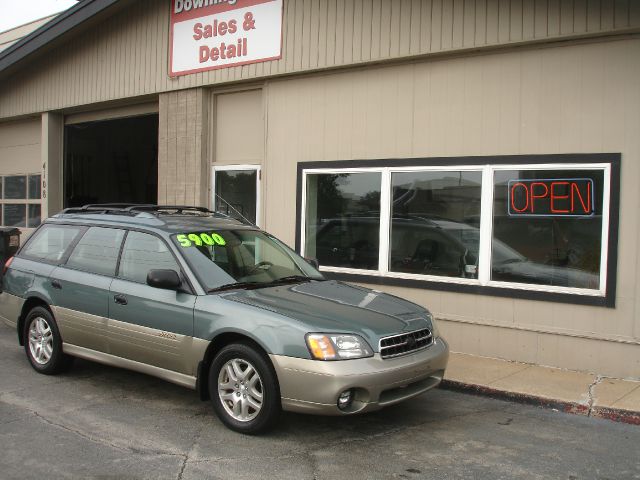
{"points": [[332, 306]]}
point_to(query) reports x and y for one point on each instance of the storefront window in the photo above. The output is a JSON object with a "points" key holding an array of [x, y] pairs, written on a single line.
{"points": [[435, 218], [547, 227], [343, 219], [538, 228]]}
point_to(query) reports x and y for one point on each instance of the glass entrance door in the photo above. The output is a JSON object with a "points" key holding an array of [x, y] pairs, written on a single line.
{"points": [[236, 191]]}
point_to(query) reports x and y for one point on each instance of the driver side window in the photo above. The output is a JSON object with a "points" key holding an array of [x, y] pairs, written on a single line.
{"points": [[143, 252]]}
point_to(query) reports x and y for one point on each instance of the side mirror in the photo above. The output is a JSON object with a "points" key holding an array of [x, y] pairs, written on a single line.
{"points": [[165, 279], [313, 262]]}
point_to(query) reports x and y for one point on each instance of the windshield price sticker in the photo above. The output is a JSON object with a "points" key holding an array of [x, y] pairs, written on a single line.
{"points": [[199, 239]]}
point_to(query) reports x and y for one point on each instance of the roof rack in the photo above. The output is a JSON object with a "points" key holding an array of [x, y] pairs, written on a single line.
{"points": [[134, 209]]}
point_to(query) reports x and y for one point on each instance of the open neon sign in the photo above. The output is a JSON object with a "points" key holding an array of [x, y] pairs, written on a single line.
{"points": [[561, 197]]}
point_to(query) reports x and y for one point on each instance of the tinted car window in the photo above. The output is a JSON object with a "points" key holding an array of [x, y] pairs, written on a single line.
{"points": [[97, 251], [143, 252], [51, 242]]}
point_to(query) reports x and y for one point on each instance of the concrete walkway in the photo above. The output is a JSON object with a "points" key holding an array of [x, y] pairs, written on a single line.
{"points": [[574, 392]]}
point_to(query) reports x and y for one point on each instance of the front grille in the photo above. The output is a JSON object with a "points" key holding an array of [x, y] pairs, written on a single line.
{"points": [[405, 343]]}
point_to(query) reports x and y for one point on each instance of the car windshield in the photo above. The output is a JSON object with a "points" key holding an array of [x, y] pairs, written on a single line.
{"points": [[227, 259]]}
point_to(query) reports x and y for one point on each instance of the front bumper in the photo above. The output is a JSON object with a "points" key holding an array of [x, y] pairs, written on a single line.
{"points": [[313, 386]]}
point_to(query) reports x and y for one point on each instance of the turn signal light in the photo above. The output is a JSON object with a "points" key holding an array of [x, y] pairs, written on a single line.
{"points": [[7, 264]]}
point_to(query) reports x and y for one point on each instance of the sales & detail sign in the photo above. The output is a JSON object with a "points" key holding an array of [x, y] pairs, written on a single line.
{"points": [[560, 197], [210, 34]]}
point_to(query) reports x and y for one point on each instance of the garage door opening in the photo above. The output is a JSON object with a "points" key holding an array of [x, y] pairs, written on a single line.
{"points": [[112, 161]]}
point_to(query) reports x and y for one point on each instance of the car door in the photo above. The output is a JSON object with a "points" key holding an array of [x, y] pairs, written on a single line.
{"points": [[80, 288], [147, 324]]}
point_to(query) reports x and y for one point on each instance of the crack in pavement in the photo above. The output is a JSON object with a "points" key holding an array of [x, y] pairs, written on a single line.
{"points": [[187, 456], [79, 433], [591, 399]]}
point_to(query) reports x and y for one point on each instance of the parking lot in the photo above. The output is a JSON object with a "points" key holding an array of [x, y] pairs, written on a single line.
{"points": [[101, 422]]}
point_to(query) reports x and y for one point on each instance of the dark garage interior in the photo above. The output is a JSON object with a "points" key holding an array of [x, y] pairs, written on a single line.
{"points": [[112, 161]]}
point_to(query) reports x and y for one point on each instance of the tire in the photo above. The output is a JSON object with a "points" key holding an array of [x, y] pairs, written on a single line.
{"points": [[43, 343], [244, 389]]}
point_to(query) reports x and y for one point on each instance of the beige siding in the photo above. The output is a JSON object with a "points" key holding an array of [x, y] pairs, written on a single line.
{"points": [[127, 55], [182, 165], [238, 128], [20, 147], [581, 98]]}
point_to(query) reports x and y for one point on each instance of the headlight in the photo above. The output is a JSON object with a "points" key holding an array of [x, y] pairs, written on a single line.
{"points": [[336, 346]]}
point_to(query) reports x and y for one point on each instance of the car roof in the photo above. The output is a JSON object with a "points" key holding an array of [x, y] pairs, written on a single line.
{"points": [[162, 219]]}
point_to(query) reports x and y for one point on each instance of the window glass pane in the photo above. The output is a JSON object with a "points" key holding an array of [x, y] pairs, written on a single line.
{"points": [[34, 216], [435, 226], [15, 214], [236, 193], [51, 242], [1, 185], [343, 219], [34, 187], [97, 251], [143, 252], [547, 227], [15, 187]]}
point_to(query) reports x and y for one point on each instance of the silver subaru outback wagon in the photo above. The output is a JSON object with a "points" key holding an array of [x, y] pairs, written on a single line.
{"points": [[204, 301]]}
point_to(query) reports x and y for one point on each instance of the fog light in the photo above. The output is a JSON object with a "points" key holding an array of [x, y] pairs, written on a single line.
{"points": [[345, 399]]}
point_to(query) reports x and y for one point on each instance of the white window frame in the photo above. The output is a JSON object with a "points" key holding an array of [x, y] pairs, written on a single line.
{"points": [[21, 201], [245, 167], [486, 224]]}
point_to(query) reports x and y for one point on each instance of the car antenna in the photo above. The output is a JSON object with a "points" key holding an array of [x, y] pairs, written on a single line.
{"points": [[235, 210]]}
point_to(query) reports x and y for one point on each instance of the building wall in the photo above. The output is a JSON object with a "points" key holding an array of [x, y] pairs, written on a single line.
{"points": [[563, 99], [20, 147], [182, 148], [127, 55]]}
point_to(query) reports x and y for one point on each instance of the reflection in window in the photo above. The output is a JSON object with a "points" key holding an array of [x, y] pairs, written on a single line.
{"points": [[434, 228], [547, 227], [97, 251], [236, 194], [343, 219], [14, 214], [143, 252], [34, 187], [15, 187], [20, 200], [51, 242], [34, 215]]}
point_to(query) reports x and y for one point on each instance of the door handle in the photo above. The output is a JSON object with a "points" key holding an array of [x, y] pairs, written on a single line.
{"points": [[120, 299], [56, 284]]}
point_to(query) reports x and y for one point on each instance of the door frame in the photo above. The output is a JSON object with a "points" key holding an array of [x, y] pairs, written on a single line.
{"points": [[245, 167]]}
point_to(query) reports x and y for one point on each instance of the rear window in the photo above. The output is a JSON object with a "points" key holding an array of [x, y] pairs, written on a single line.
{"points": [[51, 242]]}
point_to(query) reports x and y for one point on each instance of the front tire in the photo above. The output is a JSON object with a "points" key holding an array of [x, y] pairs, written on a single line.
{"points": [[43, 343], [244, 389]]}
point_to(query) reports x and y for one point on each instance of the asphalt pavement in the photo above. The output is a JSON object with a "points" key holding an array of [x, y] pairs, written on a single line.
{"points": [[105, 423]]}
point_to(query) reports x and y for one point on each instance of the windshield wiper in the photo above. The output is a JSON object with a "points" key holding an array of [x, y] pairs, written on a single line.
{"points": [[234, 286], [252, 285], [291, 279]]}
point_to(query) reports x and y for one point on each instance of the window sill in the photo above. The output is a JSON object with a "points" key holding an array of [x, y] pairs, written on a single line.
{"points": [[470, 286]]}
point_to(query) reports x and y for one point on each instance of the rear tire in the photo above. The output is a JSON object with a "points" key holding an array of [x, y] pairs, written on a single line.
{"points": [[244, 389], [43, 343]]}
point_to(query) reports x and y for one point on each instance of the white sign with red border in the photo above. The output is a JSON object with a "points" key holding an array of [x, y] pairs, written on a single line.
{"points": [[210, 34]]}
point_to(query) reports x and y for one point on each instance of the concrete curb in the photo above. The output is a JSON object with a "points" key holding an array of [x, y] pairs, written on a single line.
{"points": [[613, 414]]}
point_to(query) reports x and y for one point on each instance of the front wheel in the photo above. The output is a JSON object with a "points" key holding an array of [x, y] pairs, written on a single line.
{"points": [[43, 343], [244, 389]]}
